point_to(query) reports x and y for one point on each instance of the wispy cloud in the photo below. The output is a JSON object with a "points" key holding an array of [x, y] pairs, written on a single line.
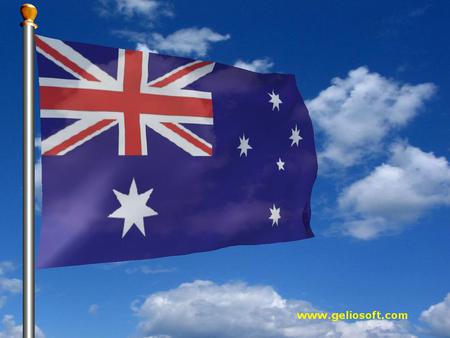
{"points": [[263, 65], [418, 11], [130, 35], [8, 284], [5, 267], [146, 270], [187, 41], [191, 41], [398, 24], [93, 309], [147, 10], [12, 285], [113, 265]]}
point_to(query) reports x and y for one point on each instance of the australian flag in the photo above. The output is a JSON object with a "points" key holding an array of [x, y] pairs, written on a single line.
{"points": [[147, 155]]}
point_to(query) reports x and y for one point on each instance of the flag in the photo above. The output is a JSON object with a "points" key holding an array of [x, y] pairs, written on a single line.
{"points": [[147, 155]]}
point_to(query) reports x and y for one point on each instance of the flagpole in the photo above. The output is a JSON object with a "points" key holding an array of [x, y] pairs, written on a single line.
{"points": [[29, 13]]}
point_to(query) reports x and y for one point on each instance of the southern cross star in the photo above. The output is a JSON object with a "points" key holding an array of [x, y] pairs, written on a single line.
{"points": [[275, 215], [133, 208], [280, 164], [244, 145], [275, 100], [295, 136]]}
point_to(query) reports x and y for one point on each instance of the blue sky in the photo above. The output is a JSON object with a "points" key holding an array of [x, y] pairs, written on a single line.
{"points": [[375, 76]]}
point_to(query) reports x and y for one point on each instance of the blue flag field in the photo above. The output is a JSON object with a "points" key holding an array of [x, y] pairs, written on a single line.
{"points": [[146, 155]]}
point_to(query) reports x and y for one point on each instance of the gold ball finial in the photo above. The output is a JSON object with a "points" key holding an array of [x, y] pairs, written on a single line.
{"points": [[29, 13]]}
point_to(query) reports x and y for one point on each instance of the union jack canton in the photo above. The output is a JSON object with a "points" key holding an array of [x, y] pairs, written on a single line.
{"points": [[147, 155], [130, 100]]}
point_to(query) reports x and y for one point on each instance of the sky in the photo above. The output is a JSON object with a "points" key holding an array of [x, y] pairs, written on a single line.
{"points": [[375, 78]]}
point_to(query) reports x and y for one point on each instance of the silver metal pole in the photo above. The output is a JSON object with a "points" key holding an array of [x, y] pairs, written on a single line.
{"points": [[29, 13]]}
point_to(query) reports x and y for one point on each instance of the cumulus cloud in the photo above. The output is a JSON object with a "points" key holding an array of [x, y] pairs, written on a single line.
{"points": [[150, 9], [396, 193], [437, 317], [356, 114], [12, 330], [258, 65], [205, 309], [372, 329]]}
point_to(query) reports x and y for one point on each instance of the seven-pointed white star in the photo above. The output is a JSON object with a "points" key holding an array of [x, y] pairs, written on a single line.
{"points": [[244, 146], [133, 208], [295, 136], [280, 164], [275, 100], [275, 215]]}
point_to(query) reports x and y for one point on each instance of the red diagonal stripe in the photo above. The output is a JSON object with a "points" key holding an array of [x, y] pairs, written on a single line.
{"points": [[78, 137], [188, 137], [64, 60], [175, 76]]}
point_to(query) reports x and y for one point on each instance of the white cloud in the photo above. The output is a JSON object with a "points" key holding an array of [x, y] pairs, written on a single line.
{"points": [[437, 317], [149, 9], [355, 114], [137, 7], [258, 65], [146, 270], [12, 330], [5, 267], [372, 329], [113, 265], [186, 41], [93, 309], [134, 36], [12, 285], [8, 285], [238, 310], [143, 47], [396, 193]]}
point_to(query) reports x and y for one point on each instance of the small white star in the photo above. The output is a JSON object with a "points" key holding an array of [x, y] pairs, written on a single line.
{"points": [[244, 146], [275, 215], [275, 100], [295, 136], [133, 208], [280, 164]]}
